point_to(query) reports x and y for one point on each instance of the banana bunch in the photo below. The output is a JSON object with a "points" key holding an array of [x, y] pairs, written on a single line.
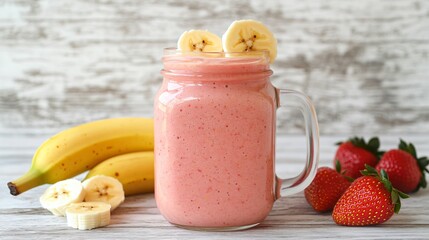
{"points": [[120, 147]]}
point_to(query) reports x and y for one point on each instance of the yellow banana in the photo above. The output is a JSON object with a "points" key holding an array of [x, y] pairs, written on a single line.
{"points": [[134, 170], [80, 148]]}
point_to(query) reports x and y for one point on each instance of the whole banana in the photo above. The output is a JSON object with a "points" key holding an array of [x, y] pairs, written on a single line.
{"points": [[80, 148], [134, 170]]}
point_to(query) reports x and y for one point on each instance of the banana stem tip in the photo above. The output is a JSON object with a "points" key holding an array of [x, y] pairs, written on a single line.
{"points": [[13, 189]]}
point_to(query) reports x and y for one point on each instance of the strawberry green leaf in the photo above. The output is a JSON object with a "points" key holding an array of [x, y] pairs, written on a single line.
{"points": [[374, 143], [384, 174], [369, 171], [413, 150], [387, 184], [338, 166], [403, 195], [423, 162], [409, 148], [338, 169], [402, 144], [397, 206], [394, 196], [385, 180], [422, 182]]}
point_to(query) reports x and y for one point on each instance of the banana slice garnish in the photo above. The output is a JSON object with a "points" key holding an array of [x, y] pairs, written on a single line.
{"points": [[249, 35], [106, 189], [61, 194], [199, 41], [88, 215]]}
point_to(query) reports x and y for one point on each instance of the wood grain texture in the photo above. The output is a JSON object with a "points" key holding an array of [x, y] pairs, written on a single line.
{"points": [[22, 217], [364, 63]]}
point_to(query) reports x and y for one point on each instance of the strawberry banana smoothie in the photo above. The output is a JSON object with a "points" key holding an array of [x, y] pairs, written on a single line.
{"points": [[215, 130], [214, 140]]}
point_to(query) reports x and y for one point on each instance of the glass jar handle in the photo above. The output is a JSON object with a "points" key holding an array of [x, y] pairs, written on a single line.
{"points": [[289, 186]]}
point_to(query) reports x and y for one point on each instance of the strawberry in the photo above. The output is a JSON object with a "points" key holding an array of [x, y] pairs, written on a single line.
{"points": [[405, 169], [355, 153], [327, 187], [370, 200]]}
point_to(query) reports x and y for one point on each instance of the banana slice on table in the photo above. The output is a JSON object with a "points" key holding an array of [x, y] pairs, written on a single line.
{"points": [[88, 215], [249, 35], [106, 189], [199, 41], [61, 194]]}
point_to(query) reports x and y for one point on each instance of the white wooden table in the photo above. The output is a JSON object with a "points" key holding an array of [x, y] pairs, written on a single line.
{"points": [[138, 218]]}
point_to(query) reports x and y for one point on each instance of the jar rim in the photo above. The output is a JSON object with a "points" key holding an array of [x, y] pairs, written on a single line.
{"points": [[201, 66], [262, 54]]}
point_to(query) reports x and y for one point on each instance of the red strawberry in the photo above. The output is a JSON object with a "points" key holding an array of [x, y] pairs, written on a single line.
{"points": [[370, 200], [405, 169], [355, 153], [325, 190]]}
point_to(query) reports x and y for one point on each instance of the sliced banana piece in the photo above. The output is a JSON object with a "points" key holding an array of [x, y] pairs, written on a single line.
{"points": [[88, 215], [249, 35], [199, 41], [106, 189], [61, 194]]}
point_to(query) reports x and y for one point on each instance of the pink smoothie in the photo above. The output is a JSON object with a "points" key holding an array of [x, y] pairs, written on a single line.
{"points": [[214, 141]]}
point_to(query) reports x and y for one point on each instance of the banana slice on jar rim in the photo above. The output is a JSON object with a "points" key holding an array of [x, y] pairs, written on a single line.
{"points": [[199, 41], [249, 36]]}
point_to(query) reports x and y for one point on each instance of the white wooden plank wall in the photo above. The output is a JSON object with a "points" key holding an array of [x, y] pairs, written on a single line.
{"points": [[364, 63]]}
